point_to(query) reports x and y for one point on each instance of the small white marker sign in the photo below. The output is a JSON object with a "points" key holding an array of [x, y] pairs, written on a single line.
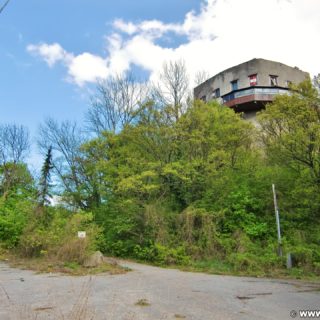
{"points": [[81, 234]]}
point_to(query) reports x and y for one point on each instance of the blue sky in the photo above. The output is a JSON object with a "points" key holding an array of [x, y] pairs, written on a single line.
{"points": [[29, 89], [53, 52]]}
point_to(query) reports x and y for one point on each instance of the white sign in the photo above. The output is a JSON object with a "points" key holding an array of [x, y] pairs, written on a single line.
{"points": [[81, 234]]}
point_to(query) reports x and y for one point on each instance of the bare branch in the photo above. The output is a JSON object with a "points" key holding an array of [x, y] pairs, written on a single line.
{"points": [[173, 89], [116, 103], [14, 143], [200, 77]]}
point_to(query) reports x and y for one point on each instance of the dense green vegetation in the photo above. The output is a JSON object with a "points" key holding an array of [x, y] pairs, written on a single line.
{"points": [[188, 187]]}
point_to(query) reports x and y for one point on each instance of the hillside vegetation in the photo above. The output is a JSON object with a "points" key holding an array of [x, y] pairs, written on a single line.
{"points": [[189, 188]]}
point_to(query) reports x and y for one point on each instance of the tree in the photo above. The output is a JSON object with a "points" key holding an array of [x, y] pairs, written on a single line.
{"points": [[15, 179], [16, 203], [65, 139], [290, 130], [173, 89], [14, 146], [316, 82], [44, 183], [152, 160], [153, 171], [211, 139], [116, 103], [14, 143], [201, 76]]}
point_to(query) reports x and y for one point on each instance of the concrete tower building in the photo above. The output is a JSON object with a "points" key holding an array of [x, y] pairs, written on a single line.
{"points": [[248, 86]]}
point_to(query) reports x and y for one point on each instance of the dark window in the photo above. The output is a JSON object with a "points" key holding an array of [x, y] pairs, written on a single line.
{"points": [[216, 93], [253, 80], [273, 80], [203, 98], [234, 85]]}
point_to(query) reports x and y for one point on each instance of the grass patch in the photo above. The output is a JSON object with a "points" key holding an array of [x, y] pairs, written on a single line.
{"points": [[4, 254], [142, 303], [47, 265], [220, 267]]}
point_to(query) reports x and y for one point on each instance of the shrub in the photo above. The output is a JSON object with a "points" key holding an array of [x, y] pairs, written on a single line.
{"points": [[13, 218], [244, 262], [162, 255], [74, 250], [59, 237], [196, 228], [10, 230]]}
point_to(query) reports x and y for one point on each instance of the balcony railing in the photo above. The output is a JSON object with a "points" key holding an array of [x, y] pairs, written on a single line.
{"points": [[253, 91]]}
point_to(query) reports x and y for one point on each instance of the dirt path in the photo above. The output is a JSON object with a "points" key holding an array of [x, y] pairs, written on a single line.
{"points": [[150, 293]]}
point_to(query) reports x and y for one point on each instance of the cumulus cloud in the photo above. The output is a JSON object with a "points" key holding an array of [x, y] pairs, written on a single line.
{"points": [[223, 33], [87, 67], [82, 68], [51, 53]]}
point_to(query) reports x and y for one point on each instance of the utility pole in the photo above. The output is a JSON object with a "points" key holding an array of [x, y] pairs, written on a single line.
{"points": [[4, 5], [276, 210]]}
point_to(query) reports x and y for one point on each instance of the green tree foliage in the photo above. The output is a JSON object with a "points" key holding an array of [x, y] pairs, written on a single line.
{"points": [[16, 202], [17, 189], [291, 137], [170, 168], [291, 130], [65, 139]]}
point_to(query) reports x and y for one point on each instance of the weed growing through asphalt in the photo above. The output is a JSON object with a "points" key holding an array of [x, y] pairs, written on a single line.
{"points": [[142, 303], [179, 316]]}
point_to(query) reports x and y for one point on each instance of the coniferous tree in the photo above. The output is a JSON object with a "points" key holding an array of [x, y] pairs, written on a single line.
{"points": [[44, 185]]}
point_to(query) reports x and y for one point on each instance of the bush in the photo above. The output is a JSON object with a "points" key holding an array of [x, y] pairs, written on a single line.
{"points": [[75, 250], [59, 237], [119, 248], [13, 218], [169, 256], [244, 262], [162, 255], [10, 231], [196, 228]]}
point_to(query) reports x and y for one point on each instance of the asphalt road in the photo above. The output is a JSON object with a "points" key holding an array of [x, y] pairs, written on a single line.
{"points": [[150, 293]]}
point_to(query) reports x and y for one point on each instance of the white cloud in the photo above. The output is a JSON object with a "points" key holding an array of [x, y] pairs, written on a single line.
{"points": [[82, 68], [150, 28], [87, 67], [222, 34], [126, 27], [51, 53], [202, 26]]}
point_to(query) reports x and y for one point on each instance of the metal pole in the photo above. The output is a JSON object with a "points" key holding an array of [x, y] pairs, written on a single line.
{"points": [[276, 210], [4, 5]]}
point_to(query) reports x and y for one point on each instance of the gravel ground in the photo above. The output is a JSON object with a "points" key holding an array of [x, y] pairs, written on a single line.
{"points": [[150, 293]]}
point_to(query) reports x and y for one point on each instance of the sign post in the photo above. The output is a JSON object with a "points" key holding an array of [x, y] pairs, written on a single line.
{"points": [[277, 220], [81, 234]]}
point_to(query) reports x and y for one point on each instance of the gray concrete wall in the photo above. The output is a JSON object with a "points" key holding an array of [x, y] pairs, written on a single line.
{"points": [[263, 68]]}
